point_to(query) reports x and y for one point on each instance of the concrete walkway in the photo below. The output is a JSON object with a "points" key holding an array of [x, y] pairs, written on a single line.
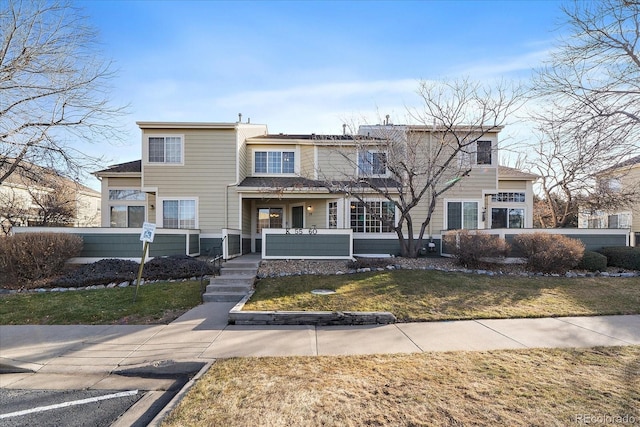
{"points": [[203, 335], [117, 357]]}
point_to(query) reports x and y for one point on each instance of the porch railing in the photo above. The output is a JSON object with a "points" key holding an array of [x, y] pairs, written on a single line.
{"points": [[307, 243]]}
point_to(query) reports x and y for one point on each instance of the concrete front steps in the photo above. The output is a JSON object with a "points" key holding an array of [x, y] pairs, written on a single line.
{"points": [[236, 280]]}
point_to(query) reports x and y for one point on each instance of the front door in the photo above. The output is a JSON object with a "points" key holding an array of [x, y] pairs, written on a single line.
{"points": [[297, 217]]}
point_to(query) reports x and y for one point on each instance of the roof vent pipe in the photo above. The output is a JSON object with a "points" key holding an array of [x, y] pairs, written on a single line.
{"points": [[248, 120], [239, 117], [387, 121], [344, 128]]}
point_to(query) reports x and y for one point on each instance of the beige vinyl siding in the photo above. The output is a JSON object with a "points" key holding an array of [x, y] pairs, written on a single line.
{"points": [[209, 166], [332, 164], [471, 186], [244, 153], [468, 188], [318, 216], [246, 217], [118, 182], [512, 185], [307, 166]]}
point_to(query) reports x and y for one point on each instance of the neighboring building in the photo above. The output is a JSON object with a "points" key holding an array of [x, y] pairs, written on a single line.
{"points": [[236, 179], [623, 178], [36, 196]]}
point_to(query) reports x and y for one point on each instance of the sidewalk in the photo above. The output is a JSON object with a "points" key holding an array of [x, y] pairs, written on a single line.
{"points": [[203, 335], [160, 360]]}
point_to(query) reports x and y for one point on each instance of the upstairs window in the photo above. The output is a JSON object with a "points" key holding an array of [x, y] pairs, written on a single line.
{"points": [[274, 162], [165, 149], [483, 153], [372, 163], [475, 154]]}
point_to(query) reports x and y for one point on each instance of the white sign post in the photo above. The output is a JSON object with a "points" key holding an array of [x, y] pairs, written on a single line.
{"points": [[147, 235]]}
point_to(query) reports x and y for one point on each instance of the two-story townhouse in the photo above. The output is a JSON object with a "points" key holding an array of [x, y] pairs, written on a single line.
{"points": [[35, 196], [624, 178], [235, 181]]}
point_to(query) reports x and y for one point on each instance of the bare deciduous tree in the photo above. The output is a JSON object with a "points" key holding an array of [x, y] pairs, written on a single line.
{"points": [[55, 206], [590, 116], [14, 209], [53, 87], [424, 160]]}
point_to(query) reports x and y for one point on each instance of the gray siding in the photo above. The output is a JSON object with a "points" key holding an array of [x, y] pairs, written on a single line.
{"points": [[194, 244], [375, 246], [210, 246], [246, 246], [234, 244], [307, 245], [111, 246], [165, 245]]}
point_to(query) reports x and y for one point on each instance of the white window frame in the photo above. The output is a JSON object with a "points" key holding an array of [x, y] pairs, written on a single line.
{"points": [[160, 211], [126, 213], [508, 209], [126, 202], [364, 173], [491, 152], [296, 161], [468, 158], [164, 163], [371, 200], [109, 190], [337, 214], [463, 201], [285, 217]]}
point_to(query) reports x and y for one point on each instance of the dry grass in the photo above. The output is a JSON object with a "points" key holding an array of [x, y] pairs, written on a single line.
{"points": [[515, 388], [418, 295]]}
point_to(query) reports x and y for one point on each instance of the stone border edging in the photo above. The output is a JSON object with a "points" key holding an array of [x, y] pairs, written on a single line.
{"points": [[317, 318]]}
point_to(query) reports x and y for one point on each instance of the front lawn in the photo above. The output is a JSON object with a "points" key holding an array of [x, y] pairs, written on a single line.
{"points": [[533, 387], [156, 303], [427, 295]]}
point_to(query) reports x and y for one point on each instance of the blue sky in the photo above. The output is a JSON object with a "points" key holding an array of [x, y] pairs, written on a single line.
{"points": [[305, 66]]}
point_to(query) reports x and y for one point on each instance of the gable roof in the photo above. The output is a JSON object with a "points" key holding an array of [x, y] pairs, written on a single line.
{"points": [[299, 182], [29, 174], [128, 167]]}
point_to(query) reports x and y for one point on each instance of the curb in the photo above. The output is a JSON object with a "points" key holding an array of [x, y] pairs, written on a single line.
{"points": [[157, 420], [316, 318]]}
